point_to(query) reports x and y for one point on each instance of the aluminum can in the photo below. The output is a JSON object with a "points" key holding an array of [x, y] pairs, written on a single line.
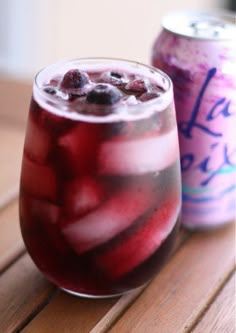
{"points": [[198, 51]]}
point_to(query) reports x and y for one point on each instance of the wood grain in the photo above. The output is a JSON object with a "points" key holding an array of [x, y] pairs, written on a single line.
{"points": [[11, 243], [182, 291], [11, 148], [221, 316], [22, 291]]}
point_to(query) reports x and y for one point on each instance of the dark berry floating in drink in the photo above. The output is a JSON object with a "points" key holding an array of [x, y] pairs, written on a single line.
{"points": [[104, 94], [137, 86], [74, 79], [100, 181]]}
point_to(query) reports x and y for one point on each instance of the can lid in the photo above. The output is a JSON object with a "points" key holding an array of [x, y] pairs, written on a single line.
{"points": [[215, 25]]}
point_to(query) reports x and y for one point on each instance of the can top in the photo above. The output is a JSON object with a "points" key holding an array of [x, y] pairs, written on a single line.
{"points": [[215, 25]]}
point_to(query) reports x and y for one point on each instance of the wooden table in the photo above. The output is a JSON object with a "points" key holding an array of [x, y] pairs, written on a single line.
{"points": [[194, 292]]}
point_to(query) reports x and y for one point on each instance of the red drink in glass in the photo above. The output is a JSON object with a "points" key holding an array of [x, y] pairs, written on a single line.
{"points": [[100, 182]]}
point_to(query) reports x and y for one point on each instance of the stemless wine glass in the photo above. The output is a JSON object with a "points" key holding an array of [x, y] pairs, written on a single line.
{"points": [[100, 183]]}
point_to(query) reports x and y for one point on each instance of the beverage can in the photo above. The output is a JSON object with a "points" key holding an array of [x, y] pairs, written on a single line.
{"points": [[198, 51]]}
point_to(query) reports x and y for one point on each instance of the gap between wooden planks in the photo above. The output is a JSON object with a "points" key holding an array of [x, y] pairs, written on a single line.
{"points": [[221, 315]]}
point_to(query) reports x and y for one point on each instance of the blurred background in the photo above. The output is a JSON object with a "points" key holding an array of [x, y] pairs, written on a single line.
{"points": [[35, 33]]}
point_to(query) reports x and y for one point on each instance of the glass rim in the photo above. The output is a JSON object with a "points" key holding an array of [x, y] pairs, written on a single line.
{"points": [[64, 108]]}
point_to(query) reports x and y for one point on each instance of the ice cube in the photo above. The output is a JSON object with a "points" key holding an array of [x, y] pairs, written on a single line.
{"points": [[134, 249], [37, 142], [82, 195], [38, 180], [115, 215], [45, 216], [78, 148], [138, 156]]}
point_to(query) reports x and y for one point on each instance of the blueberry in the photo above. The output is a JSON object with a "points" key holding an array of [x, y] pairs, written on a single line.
{"points": [[114, 78], [115, 75], [137, 86], [104, 94], [50, 90], [74, 79], [148, 96]]}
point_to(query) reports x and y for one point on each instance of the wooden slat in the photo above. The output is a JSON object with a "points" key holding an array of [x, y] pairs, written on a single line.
{"points": [[70, 314], [22, 291], [11, 148], [182, 291], [220, 317], [11, 243]]}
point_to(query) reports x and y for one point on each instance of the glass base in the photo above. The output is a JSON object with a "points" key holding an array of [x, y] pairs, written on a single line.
{"points": [[74, 293]]}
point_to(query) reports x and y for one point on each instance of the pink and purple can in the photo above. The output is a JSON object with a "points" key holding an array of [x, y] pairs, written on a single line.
{"points": [[198, 51]]}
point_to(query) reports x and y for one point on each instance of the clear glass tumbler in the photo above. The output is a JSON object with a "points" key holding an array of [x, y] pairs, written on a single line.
{"points": [[100, 183]]}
